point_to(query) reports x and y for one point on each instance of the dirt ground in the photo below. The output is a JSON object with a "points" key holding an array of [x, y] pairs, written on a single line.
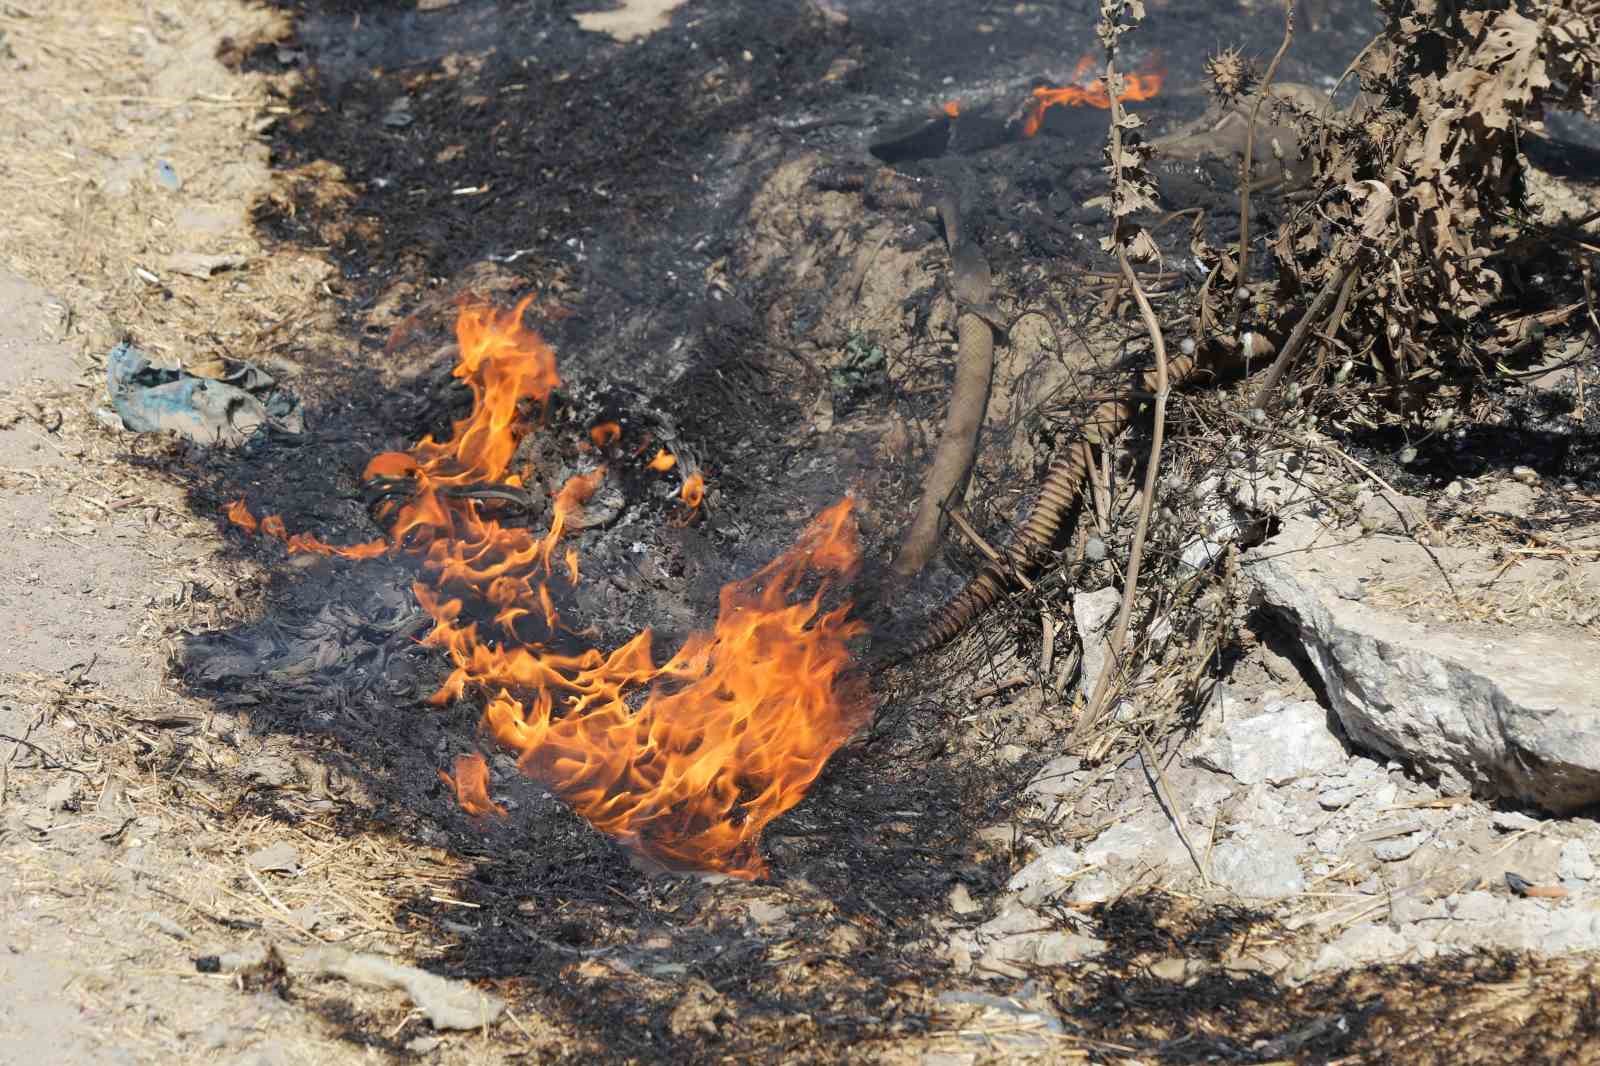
{"points": [[167, 812]]}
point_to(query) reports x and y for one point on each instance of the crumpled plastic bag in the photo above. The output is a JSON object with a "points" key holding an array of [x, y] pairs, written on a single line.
{"points": [[226, 410]]}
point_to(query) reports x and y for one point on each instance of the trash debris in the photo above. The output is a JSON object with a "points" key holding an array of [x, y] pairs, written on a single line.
{"points": [[225, 410], [1521, 886], [167, 176], [447, 1004]]}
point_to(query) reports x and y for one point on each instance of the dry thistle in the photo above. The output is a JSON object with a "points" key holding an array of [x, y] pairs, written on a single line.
{"points": [[1231, 74]]}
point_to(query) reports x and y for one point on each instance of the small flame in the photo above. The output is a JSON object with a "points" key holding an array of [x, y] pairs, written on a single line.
{"points": [[952, 108], [471, 786], [687, 762], [604, 434], [239, 514], [663, 461], [1140, 86], [694, 489]]}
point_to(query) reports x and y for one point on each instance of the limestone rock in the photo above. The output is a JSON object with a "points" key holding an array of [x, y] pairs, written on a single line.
{"points": [[1259, 865], [1289, 742], [1511, 711], [1093, 612]]}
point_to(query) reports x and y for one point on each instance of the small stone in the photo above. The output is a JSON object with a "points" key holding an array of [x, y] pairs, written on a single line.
{"points": [[1095, 887], [1047, 875], [1260, 865], [1408, 910], [1576, 863], [1092, 613], [1454, 489], [764, 913], [1276, 747], [1060, 948], [1334, 799], [1362, 944], [1525, 474], [1477, 907], [961, 900], [1512, 821], [1058, 777], [1397, 849]]}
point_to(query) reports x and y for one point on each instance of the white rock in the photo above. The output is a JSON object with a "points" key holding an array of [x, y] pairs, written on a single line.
{"points": [[1058, 948], [1058, 777], [1259, 865], [1512, 821], [1362, 944], [1276, 747], [1146, 840], [1096, 886], [1046, 875], [1477, 907], [961, 900], [1396, 849], [1509, 710], [1093, 612], [1333, 799], [1576, 864]]}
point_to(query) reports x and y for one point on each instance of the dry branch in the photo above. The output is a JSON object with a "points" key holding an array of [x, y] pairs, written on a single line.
{"points": [[969, 399]]}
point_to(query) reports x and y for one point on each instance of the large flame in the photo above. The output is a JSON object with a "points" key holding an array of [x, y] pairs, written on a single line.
{"points": [[687, 761], [1140, 86]]}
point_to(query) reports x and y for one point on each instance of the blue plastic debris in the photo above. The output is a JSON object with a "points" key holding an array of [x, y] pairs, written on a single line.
{"points": [[167, 176], [227, 410]]}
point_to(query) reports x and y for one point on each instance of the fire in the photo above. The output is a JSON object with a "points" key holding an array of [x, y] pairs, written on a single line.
{"points": [[1141, 86], [952, 108], [604, 434], [663, 461], [689, 761], [693, 492], [471, 785]]}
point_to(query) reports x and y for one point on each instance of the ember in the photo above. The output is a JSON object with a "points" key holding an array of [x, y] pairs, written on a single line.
{"points": [[687, 762], [1140, 86]]}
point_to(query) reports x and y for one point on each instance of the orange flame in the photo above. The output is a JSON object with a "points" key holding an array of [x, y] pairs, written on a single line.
{"points": [[694, 489], [605, 433], [952, 108], [663, 461], [471, 785], [687, 762], [1141, 86]]}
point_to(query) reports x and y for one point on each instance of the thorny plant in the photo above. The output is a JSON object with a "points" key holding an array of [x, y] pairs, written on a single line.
{"points": [[1410, 234], [1399, 257]]}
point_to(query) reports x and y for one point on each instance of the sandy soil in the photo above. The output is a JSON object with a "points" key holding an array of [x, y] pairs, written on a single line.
{"points": [[109, 891]]}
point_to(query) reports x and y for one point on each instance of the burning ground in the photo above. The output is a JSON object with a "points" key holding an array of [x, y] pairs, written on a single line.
{"points": [[488, 617]]}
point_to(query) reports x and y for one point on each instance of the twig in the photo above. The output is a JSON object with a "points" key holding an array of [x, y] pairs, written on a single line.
{"points": [[1249, 158], [1588, 298], [1335, 288], [1014, 681], [1163, 791], [1147, 497], [959, 520]]}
